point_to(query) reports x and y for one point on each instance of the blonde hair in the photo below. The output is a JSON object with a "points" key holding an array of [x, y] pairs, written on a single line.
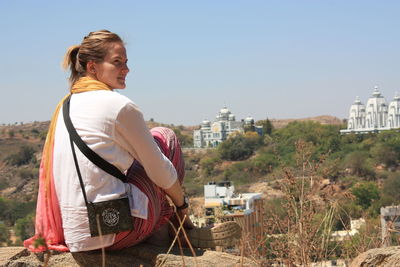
{"points": [[93, 48]]}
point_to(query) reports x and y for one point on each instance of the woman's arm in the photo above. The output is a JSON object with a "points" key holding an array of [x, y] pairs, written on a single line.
{"points": [[139, 142], [132, 134]]}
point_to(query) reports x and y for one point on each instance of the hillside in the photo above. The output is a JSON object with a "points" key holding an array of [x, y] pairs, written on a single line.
{"points": [[324, 120], [349, 176], [19, 182]]}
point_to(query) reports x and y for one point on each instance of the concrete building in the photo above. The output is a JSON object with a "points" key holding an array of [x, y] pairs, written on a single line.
{"points": [[376, 116], [211, 134], [222, 194]]}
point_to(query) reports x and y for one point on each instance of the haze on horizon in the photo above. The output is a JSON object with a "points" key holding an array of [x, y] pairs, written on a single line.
{"points": [[275, 59]]}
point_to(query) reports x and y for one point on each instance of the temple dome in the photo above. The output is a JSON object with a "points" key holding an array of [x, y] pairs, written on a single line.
{"points": [[249, 120], [224, 111], [205, 123], [376, 110], [376, 92], [396, 96]]}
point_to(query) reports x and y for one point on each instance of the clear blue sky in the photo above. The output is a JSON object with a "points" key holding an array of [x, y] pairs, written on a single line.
{"points": [[275, 59]]}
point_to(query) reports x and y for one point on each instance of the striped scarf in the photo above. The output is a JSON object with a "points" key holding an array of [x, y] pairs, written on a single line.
{"points": [[48, 215]]}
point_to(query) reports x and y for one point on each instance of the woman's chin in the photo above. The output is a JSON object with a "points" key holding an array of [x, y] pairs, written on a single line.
{"points": [[119, 86]]}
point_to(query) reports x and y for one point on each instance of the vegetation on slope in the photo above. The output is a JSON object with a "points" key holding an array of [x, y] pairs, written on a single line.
{"points": [[363, 173]]}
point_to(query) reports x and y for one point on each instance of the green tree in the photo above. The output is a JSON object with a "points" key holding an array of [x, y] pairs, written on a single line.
{"points": [[383, 153], [24, 227], [391, 189], [358, 164], [11, 133], [239, 147], [43, 135], [266, 126], [23, 156], [207, 165], [366, 193], [4, 233], [264, 162], [184, 139]]}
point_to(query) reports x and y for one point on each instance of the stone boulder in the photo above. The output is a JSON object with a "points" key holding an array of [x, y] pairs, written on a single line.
{"points": [[140, 255], [378, 257]]}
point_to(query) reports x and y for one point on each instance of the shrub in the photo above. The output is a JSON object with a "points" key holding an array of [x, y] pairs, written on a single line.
{"points": [[391, 189], [184, 139], [239, 147], [208, 165], [365, 193], [11, 133], [359, 165], [43, 135], [23, 156], [4, 233], [25, 227], [384, 154], [28, 173], [264, 163], [266, 126], [239, 173]]}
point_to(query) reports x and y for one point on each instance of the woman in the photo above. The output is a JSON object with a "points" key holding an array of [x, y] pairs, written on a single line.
{"points": [[112, 126]]}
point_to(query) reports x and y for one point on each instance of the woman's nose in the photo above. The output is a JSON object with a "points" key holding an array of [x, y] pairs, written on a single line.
{"points": [[126, 68]]}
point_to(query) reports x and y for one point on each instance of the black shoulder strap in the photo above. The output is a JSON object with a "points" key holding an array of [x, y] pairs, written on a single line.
{"points": [[90, 154]]}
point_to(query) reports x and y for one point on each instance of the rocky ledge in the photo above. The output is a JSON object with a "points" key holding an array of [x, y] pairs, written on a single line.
{"points": [[140, 255], [378, 257]]}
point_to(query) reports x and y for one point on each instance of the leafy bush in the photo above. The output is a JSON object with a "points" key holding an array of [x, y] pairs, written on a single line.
{"points": [[43, 135], [25, 227], [4, 233], [358, 163], [23, 156], [28, 173], [208, 165], [266, 126], [391, 189], [11, 210], [11, 133], [264, 163], [384, 154], [184, 139], [239, 147], [239, 173], [365, 193]]}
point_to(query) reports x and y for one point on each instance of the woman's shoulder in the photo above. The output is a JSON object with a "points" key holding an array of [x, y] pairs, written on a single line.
{"points": [[101, 101], [106, 98]]}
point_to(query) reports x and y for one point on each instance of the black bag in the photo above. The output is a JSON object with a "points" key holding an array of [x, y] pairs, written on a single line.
{"points": [[114, 216], [105, 217]]}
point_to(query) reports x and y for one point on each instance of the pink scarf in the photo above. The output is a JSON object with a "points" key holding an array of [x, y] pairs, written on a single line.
{"points": [[49, 232]]}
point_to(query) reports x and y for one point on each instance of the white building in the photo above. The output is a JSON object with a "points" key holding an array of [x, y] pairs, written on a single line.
{"points": [[212, 134], [377, 115], [222, 194]]}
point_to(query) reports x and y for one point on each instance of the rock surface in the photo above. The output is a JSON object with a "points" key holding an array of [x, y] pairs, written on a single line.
{"points": [[143, 254], [378, 257]]}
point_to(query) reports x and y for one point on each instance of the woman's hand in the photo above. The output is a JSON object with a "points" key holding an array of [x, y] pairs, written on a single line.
{"points": [[188, 224]]}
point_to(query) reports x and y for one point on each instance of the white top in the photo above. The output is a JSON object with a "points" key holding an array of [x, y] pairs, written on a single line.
{"points": [[112, 126]]}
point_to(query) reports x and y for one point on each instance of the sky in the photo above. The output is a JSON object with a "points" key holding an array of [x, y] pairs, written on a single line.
{"points": [[188, 59]]}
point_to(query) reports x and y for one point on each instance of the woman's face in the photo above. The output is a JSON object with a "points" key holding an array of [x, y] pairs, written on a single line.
{"points": [[113, 70]]}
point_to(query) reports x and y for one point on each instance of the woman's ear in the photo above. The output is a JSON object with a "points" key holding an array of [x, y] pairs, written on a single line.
{"points": [[91, 67]]}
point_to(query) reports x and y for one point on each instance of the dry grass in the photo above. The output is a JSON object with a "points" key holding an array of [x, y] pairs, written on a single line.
{"points": [[298, 230]]}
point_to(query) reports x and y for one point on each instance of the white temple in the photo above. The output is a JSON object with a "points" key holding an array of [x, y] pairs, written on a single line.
{"points": [[375, 116], [212, 134]]}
